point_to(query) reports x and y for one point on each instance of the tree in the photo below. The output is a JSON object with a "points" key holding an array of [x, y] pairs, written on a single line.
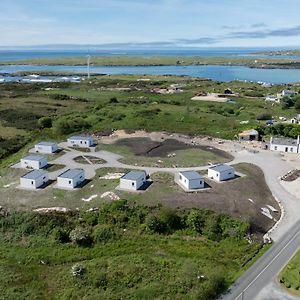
{"points": [[45, 122]]}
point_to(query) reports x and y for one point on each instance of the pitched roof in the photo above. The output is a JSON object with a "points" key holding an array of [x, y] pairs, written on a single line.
{"points": [[34, 174], [221, 168], [80, 138], [46, 144], [190, 175], [284, 141], [71, 173], [134, 175], [249, 132], [34, 157]]}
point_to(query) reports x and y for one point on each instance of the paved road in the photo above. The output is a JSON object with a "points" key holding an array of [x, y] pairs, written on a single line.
{"points": [[256, 278], [286, 235]]}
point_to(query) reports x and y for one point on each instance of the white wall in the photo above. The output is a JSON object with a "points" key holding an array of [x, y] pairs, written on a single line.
{"points": [[133, 185], [34, 184], [34, 164], [191, 184], [69, 183], [80, 143], [284, 148], [221, 176], [46, 149]]}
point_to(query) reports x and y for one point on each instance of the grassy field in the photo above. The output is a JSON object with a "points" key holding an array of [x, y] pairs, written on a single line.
{"points": [[162, 61], [98, 106], [182, 158], [122, 252], [289, 277]]}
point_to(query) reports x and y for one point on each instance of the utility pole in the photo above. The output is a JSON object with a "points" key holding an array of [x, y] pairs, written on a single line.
{"points": [[88, 66]]}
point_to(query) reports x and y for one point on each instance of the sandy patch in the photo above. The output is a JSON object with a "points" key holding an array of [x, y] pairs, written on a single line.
{"points": [[110, 176], [90, 198], [51, 209], [9, 184], [211, 97], [110, 195]]}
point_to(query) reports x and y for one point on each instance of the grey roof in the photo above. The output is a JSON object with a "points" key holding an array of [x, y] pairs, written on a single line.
{"points": [[34, 157], [46, 144], [34, 174], [190, 175], [80, 138], [71, 173], [284, 141], [134, 175], [221, 168]]}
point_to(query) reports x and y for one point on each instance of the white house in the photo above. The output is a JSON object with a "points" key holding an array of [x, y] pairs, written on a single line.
{"points": [[285, 145], [288, 93], [46, 147], [80, 141], [34, 179], [191, 180], [34, 162], [249, 135], [71, 179], [272, 98], [133, 180], [221, 172]]}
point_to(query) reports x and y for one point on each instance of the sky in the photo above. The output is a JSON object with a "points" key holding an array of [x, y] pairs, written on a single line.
{"points": [[150, 23]]}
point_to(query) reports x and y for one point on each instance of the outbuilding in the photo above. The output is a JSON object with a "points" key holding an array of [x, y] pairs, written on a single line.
{"points": [[191, 180], [249, 135], [46, 147], [133, 180], [34, 162], [285, 145], [80, 141], [34, 179], [221, 172], [71, 179]]}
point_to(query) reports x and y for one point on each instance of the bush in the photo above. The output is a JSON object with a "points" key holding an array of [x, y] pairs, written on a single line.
{"points": [[77, 270], [195, 221], [264, 117], [80, 236], [66, 126], [45, 122], [104, 233]]}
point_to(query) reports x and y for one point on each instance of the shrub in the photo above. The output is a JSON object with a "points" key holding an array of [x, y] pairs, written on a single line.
{"points": [[104, 233], [80, 236], [195, 221], [264, 117], [45, 122], [77, 270]]}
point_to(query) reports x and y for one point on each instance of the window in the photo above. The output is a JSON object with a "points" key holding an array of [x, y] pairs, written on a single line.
{"points": [[200, 181], [275, 148], [292, 149], [70, 181], [32, 182], [132, 184], [180, 177]]}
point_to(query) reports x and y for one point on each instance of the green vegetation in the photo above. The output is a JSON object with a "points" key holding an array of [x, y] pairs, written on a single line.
{"points": [[100, 105], [122, 251], [162, 61], [289, 277]]}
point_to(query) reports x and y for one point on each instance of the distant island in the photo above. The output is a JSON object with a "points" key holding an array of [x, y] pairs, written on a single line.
{"points": [[252, 62], [279, 53]]}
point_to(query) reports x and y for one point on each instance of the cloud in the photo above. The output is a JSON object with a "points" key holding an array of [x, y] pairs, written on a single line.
{"points": [[282, 32], [258, 25], [201, 40]]}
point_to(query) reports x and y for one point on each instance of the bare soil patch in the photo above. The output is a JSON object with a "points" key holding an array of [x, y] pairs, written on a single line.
{"points": [[87, 158], [242, 198], [150, 148]]}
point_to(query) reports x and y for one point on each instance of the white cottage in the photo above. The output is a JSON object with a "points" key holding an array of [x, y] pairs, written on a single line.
{"points": [[71, 179], [46, 147], [34, 162], [285, 145], [34, 179], [221, 172], [191, 180], [80, 141], [133, 180], [249, 135]]}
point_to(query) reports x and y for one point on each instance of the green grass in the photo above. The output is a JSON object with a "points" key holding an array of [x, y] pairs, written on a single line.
{"points": [[159, 61], [131, 263], [183, 158], [289, 277]]}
